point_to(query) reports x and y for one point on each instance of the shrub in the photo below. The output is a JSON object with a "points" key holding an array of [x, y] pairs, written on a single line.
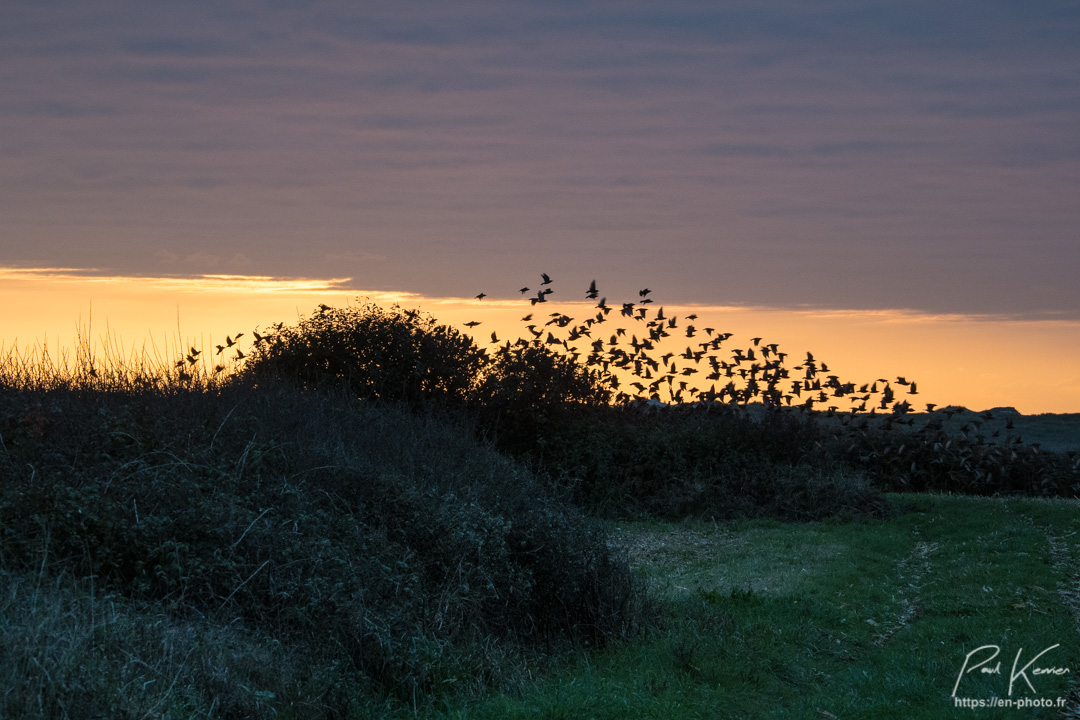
{"points": [[703, 460], [389, 355], [929, 459], [529, 392]]}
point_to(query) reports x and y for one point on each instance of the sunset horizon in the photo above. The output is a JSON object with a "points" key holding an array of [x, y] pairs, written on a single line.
{"points": [[943, 353]]}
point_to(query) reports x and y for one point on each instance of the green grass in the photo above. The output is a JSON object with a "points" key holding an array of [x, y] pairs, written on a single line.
{"points": [[864, 619], [756, 619]]}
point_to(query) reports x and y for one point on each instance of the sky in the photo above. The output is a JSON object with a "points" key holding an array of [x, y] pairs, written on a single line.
{"points": [[914, 160]]}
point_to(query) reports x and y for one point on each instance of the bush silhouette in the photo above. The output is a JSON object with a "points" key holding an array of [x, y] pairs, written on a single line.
{"points": [[397, 355], [528, 388], [375, 354]]}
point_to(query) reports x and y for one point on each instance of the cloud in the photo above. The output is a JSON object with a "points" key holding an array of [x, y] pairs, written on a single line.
{"points": [[204, 262], [59, 109], [348, 257], [748, 150], [172, 46], [835, 151]]}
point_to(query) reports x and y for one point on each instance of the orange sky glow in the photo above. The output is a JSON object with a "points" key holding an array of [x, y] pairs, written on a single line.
{"points": [[976, 361]]}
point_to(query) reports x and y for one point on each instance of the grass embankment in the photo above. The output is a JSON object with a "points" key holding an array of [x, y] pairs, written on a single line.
{"points": [[856, 620], [271, 552]]}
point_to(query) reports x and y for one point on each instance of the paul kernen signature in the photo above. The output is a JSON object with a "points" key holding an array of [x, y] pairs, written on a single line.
{"points": [[984, 667]]}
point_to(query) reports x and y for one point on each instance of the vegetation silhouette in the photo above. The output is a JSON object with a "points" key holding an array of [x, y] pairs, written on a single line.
{"points": [[556, 394], [373, 353]]}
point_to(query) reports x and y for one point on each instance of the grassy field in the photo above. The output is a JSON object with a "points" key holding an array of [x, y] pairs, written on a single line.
{"points": [[763, 619], [855, 620]]}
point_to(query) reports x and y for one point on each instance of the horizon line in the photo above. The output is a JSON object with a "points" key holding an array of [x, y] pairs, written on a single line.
{"points": [[299, 284]]}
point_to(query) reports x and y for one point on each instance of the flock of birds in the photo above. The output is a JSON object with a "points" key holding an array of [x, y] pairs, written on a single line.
{"points": [[638, 364], [638, 351]]}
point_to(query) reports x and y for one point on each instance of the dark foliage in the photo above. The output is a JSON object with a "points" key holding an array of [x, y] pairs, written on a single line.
{"points": [[529, 392], [376, 354], [546, 406], [385, 543], [932, 460], [715, 460]]}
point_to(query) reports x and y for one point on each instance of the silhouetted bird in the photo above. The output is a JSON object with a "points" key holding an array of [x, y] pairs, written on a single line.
{"points": [[592, 294], [471, 324], [547, 280], [481, 296]]}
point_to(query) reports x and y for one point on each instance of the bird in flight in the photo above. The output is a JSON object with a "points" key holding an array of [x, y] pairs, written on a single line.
{"points": [[471, 324], [592, 294], [481, 296], [546, 278]]}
